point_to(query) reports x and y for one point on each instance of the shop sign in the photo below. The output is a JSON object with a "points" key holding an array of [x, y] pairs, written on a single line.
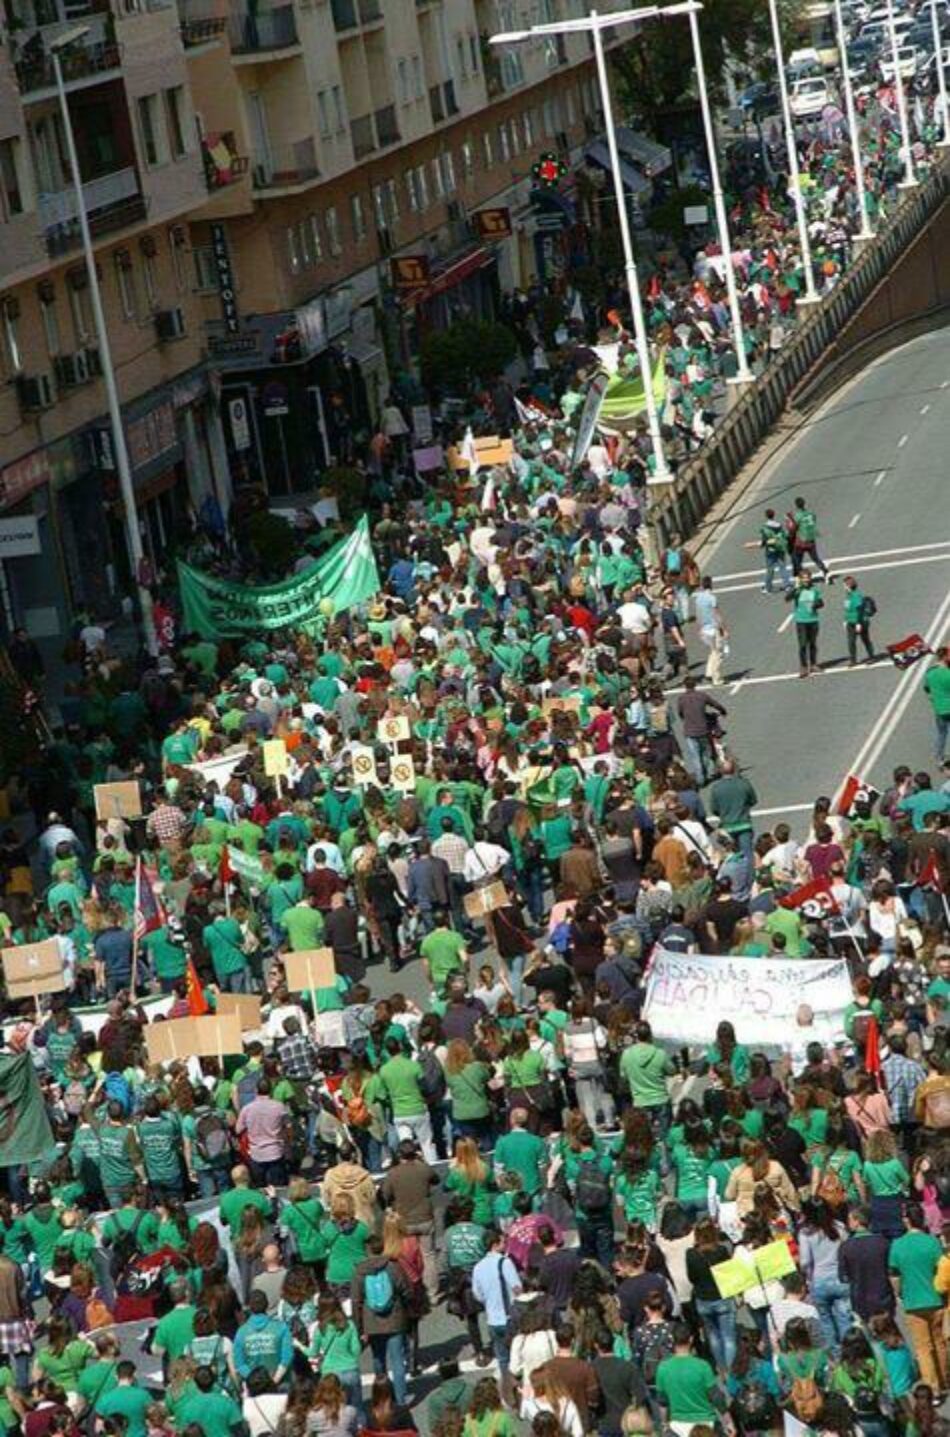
{"points": [[19, 537], [410, 272], [493, 224], [240, 427], [222, 264], [22, 477]]}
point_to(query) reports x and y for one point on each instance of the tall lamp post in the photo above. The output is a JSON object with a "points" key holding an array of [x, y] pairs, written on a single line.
{"points": [[123, 468], [811, 294], [866, 231], [910, 177]]}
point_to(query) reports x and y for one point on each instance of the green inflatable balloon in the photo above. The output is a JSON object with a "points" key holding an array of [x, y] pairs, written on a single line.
{"points": [[327, 608]]}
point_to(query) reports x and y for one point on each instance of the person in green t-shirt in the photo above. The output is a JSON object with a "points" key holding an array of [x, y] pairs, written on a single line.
{"points": [[207, 1407], [303, 923], [160, 1139], [242, 1195], [169, 959], [443, 953], [912, 1263], [126, 1400], [64, 1356], [522, 1152], [686, 1386], [223, 939], [100, 1375], [807, 601], [177, 1328]]}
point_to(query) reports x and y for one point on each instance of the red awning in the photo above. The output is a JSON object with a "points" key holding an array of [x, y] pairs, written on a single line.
{"points": [[449, 277]]}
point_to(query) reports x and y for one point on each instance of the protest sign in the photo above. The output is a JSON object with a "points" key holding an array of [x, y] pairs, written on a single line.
{"points": [[118, 800], [428, 458], [393, 729], [171, 1040], [276, 757], [403, 773], [217, 1034], [33, 968], [330, 1030], [311, 969], [486, 900], [766, 1264], [492, 450], [245, 865], [219, 770], [689, 995], [247, 1006], [363, 760], [590, 413]]}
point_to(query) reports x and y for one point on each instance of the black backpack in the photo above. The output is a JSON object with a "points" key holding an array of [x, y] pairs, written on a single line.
{"points": [[754, 1408], [592, 1189], [432, 1078], [125, 1248]]}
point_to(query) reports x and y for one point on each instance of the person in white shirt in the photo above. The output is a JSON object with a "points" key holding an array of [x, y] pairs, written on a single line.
{"points": [[635, 618], [783, 855], [484, 860]]}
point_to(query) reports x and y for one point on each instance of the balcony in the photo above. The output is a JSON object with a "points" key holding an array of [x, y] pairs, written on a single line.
{"points": [[201, 21], [387, 128], [263, 31], [363, 136], [223, 165], [96, 54], [112, 202], [286, 166], [355, 14], [442, 102]]}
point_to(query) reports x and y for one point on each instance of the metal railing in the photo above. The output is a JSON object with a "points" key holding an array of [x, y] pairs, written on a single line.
{"points": [[255, 31], [201, 20], [95, 53], [59, 206], [704, 477], [285, 165], [363, 136]]}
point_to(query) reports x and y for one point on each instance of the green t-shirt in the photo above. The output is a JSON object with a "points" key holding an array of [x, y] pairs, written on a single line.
{"points": [[477, 1193], [161, 1142], [180, 747], [787, 922], [44, 1236], [646, 1068], [468, 1089], [442, 949], [523, 1153], [235, 1200], [684, 1384], [64, 1368], [223, 940], [96, 1379], [692, 1174], [304, 1220], [337, 1349], [937, 688], [169, 959], [214, 1412], [132, 1403], [346, 1249], [303, 926], [175, 1330], [464, 1244], [126, 1218], [639, 1196], [914, 1258], [887, 1179], [115, 1155], [400, 1076], [808, 601]]}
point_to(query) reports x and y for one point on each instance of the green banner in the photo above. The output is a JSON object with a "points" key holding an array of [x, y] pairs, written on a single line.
{"points": [[25, 1132], [245, 865], [626, 399], [344, 577]]}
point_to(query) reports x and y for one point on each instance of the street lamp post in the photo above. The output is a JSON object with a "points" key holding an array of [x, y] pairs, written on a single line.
{"points": [[941, 77], [743, 372], [811, 294], [910, 178], [866, 231], [119, 448]]}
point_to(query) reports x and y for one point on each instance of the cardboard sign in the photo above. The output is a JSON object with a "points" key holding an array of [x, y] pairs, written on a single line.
{"points": [[172, 1040], [403, 773], [492, 450], [276, 757], [33, 968], [486, 900], [118, 800], [364, 764], [313, 968], [247, 1006], [568, 705], [394, 729], [430, 457], [218, 1034]]}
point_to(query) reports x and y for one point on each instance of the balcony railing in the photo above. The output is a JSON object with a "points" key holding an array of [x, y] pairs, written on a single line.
{"points": [[442, 102], [363, 136], [223, 165], [111, 201], [201, 20], [349, 14], [387, 128], [254, 32], [94, 54], [286, 165]]}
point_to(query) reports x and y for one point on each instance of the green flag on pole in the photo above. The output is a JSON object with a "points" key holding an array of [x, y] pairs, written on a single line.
{"points": [[25, 1132], [344, 577], [626, 399]]}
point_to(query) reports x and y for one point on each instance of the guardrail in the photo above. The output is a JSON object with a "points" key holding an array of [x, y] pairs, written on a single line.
{"points": [[704, 477]]}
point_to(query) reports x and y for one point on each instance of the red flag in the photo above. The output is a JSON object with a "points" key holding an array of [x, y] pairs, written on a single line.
{"points": [[929, 875], [701, 295], [872, 1048], [613, 317], [225, 871], [815, 899], [908, 651], [148, 914], [855, 790], [654, 288], [197, 1002]]}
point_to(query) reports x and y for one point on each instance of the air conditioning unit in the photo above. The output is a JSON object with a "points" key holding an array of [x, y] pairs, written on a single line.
{"points": [[35, 392], [93, 361], [169, 324]]}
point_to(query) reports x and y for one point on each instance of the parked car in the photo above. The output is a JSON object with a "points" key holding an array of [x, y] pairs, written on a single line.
{"points": [[907, 60], [926, 81], [809, 97]]}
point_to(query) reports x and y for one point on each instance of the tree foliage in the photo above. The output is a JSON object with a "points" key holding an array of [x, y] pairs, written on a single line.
{"points": [[453, 358]]}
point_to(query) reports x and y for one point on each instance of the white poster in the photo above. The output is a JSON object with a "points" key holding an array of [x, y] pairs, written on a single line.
{"points": [[687, 996], [218, 770]]}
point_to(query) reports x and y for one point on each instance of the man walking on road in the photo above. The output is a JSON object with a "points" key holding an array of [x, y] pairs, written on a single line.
{"points": [[859, 610], [697, 711], [773, 541], [712, 631], [805, 538], [937, 689], [808, 602]]}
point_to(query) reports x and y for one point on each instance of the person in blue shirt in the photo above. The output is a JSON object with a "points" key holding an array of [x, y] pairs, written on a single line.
{"points": [[922, 801], [495, 1281], [113, 950], [263, 1341]]}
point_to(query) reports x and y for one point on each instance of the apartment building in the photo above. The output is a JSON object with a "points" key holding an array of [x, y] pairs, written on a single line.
{"points": [[62, 542], [371, 161]]}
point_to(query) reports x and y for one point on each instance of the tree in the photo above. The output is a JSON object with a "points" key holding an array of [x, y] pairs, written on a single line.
{"points": [[452, 358]]}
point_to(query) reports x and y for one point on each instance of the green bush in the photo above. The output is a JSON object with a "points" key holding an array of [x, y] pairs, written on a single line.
{"points": [[273, 541], [470, 349], [349, 488]]}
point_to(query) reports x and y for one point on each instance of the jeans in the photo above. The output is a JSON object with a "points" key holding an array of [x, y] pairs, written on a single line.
{"points": [[532, 883], [389, 1357], [213, 1180], [370, 1149], [777, 564], [515, 968], [419, 1127], [718, 1317], [597, 1239], [593, 1098], [352, 1384], [234, 982], [833, 1301], [700, 758], [942, 735], [501, 1347], [161, 1191], [115, 982], [862, 632], [478, 1128], [745, 840], [807, 645]]}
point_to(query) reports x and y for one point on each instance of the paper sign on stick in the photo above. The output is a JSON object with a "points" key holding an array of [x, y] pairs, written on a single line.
{"points": [[247, 1006], [217, 1034], [393, 729], [118, 800], [403, 773], [171, 1040], [734, 1277], [486, 900], [364, 764], [276, 758], [33, 968], [774, 1261], [313, 968]]}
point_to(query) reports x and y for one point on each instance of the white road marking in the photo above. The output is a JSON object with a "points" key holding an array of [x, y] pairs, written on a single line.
{"points": [[854, 568], [850, 558], [945, 384], [902, 440], [784, 808], [735, 688], [854, 521], [830, 673], [895, 708], [925, 409], [880, 478], [785, 622]]}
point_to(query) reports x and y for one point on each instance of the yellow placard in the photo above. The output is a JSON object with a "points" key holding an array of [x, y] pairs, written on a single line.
{"points": [[393, 729], [734, 1277], [774, 1260], [276, 757], [492, 450]]}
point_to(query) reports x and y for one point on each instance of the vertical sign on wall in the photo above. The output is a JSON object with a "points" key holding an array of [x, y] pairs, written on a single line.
{"points": [[222, 262]]}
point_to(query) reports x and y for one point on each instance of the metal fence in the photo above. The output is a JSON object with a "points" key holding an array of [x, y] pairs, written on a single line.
{"points": [[704, 477]]}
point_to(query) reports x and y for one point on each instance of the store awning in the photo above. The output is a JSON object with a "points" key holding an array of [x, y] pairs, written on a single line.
{"points": [[454, 273], [647, 155], [598, 154]]}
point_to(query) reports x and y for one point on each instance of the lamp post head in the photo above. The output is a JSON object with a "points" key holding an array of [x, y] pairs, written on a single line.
{"points": [[62, 42]]}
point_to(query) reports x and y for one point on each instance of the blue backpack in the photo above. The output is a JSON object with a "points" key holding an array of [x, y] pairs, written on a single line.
{"points": [[117, 1090], [378, 1291]]}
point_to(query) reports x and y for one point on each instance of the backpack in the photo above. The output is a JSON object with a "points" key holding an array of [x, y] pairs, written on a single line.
{"points": [[806, 1399], [657, 1346], [247, 1087], [432, 1078], [937, 1109], [117, 1090], [941, 1181], [97, 1314], [379, 1294], [868, 608], [755, 1408], [356, 1112], [865, 1401], [560, 938], [831, 1189], [125, 1247], [74, 1098], [212, 1138], [592, 1188]]}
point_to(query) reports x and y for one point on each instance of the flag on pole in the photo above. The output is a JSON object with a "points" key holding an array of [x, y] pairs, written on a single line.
{"points": [[148, 913], [531, 411], [468, 451], [226, 872], [907, 651], [929, 875], [654, 288], [872, 1047], [701, 296], [197, 1002], [25, 1133], [813, 900], [856, 790]]}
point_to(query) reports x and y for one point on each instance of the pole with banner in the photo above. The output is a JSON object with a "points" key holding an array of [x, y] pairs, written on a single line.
{"points": [[590, 413], [136, 924]]}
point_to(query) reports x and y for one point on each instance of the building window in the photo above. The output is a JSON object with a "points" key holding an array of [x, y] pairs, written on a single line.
{"points": [[177, 244], [402, 70], [504, 143], [305, 242], [527, 124], [411, 192], [473, 52], [150, 278], [10, 177], [392, 199], [461, 56], [148, 126], [339, 109], [324, 112], [293, 250], [487, 148], [418, 82], [358, 215], [125, 283], [332, 222], [80, 311], [379, 206], [316, 238], [448, 174], [10, 315], [175, 114], [467, 159], [50, 320], [569, 114], [436, 173], [206, 274]]}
